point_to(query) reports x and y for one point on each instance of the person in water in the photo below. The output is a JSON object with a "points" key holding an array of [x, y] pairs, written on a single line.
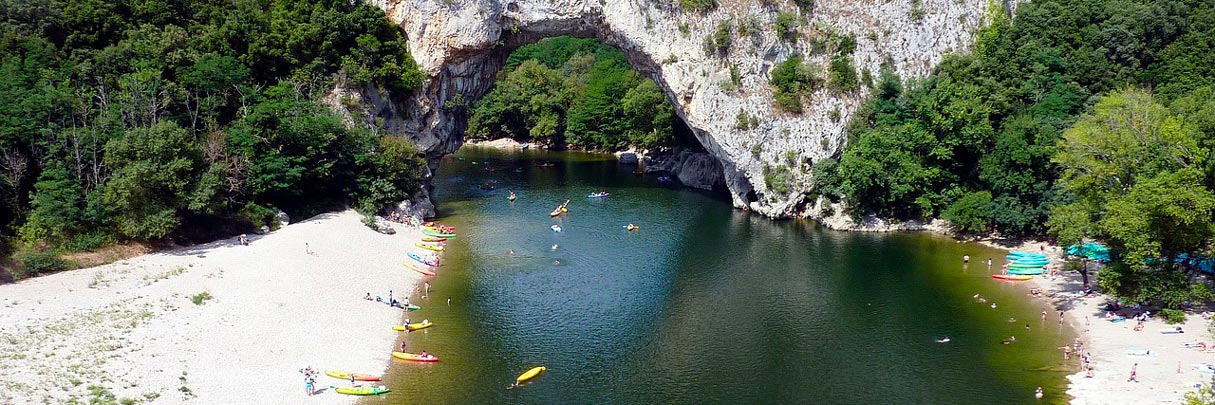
{"points": [[965, 258], [944, 340], [1038, 393]]}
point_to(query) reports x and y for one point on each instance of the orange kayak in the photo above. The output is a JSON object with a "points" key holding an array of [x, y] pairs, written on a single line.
{"points": [[425, 271], [429, 358]]}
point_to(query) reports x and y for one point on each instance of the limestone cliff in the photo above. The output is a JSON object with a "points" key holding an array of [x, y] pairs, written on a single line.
{"points": [[461, 45]]}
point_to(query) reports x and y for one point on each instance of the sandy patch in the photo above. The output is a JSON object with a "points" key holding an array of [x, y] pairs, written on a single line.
{"points": [[1164, 375], [211, 324]]}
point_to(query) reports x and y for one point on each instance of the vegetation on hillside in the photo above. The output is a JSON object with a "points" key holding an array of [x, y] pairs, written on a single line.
{"points": [[577, 92], [145, 119], [1078, 119]]}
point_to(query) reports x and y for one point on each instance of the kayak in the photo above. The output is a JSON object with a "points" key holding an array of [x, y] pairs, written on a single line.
{"points": [[429, 358], [1027, 265], [345, 375], [363, 390], [1011, 277], [411, 266], [555, 212], [413, 326], [598, 195], [1025, 272], [433, 233], [1019, 253], [432, 239], [439, 230], [437, 248], [530, 374], [420, 259]]}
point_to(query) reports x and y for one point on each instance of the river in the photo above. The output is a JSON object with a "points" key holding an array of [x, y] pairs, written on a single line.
{"points": [[705, 303]]}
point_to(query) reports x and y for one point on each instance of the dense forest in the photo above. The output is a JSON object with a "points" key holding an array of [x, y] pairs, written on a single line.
{"points": [[147, 120], [567, 91], [1078, 119]]}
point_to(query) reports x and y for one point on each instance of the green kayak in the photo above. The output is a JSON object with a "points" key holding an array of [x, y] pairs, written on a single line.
{"points": [[428, 232], [362, 390]]}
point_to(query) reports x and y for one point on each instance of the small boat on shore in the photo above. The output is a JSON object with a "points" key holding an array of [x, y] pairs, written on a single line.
{"points": [[363, 390], [345, 375], [436, 234], [433, 239], [431, 263], [428, 358], [413, 326], [1011, 277], [436, 248], [414, 267]]}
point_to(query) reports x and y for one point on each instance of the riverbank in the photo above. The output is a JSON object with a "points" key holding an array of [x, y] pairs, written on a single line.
{"points": [[215, 323], [1164, 376]]}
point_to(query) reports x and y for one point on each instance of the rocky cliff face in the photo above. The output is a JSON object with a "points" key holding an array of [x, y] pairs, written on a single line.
{"points": [[461, 45]]}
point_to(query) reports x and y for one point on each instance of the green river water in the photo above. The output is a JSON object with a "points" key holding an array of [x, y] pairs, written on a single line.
{"points": [[705, 304]]}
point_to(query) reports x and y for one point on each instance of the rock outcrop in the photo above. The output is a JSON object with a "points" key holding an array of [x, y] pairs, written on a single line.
{"points": [[693, 169], [461, 45]]}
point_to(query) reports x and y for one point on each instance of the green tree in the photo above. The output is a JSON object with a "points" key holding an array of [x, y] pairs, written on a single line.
{"points": [[154, 171]]}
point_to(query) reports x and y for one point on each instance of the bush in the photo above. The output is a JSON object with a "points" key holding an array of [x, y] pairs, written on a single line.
{"points": [[1173, 316], [200, 298], [971, 213], [786, 26], [793, 79], [779, 179], [46, 261], [699, 6], [841, 77], [718, 42], [91, 240]]}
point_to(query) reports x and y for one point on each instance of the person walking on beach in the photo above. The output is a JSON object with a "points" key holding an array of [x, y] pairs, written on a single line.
{"points": [[1134, 373]]}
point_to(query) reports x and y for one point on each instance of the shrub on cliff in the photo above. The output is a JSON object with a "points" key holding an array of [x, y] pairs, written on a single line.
{"points": [[794, 79]]}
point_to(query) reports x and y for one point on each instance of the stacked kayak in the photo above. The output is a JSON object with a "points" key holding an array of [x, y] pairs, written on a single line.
{"points": [[429, 358], [1025, 263], [363, 390], [433, 239], [345, 375], [1011, 277]]}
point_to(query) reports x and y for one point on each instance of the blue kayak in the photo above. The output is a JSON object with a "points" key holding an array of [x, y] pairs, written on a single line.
{"points": [[421, 260], [1025, 272]]}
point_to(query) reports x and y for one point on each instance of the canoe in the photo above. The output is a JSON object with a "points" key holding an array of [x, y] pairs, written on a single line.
{"points": [[432, 239], [436, 234], [437, 248], [439, 230], [363, 390], [345, 375], [1011, 277], [597, 195], [413, 267], [413, 326], [530, 374], [420, 259], [1025, 272], [429, 358]]}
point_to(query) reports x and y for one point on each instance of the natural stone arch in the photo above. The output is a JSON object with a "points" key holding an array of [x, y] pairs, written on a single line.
{"points": [[461, 45]]}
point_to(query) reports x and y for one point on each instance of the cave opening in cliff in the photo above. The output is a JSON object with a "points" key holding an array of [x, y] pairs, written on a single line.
{"points": [[567, 92]]}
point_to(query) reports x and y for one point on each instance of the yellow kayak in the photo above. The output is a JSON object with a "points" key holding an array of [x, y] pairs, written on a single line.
{"points": [[530, 374], [413, 326], [437, 248], [345, 375], [427, 271], [427, 358], [362, 390]]}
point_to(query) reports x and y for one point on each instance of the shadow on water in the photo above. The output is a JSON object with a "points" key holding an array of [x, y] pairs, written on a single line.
{"points": [[704, 303]]}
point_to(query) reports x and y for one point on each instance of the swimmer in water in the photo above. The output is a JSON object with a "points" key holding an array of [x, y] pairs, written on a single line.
{"points": [[944, 340], [554, 246], [993, 305]]}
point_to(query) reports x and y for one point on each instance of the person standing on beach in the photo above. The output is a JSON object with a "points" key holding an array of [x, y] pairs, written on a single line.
{"points": [[1134, 373]]}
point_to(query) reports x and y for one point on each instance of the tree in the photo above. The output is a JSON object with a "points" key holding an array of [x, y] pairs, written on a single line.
{"points": [[1161, 217], [154, 171]]}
